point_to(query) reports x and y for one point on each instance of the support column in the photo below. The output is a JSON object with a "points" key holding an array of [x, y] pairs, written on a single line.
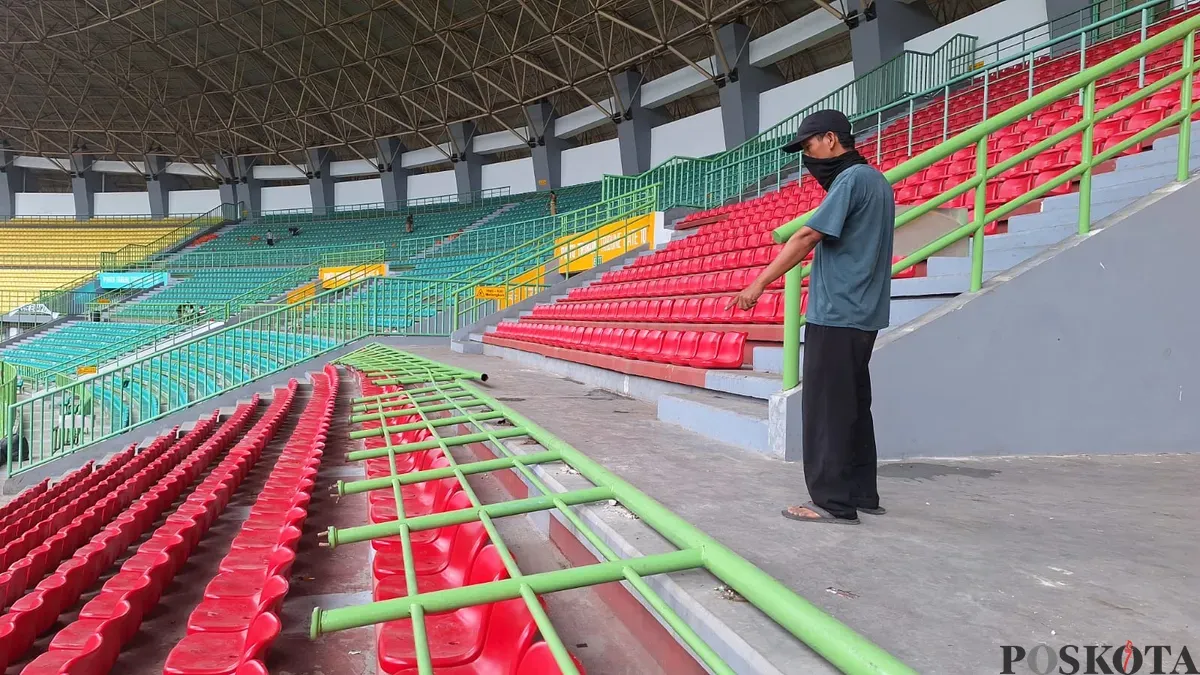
{"points": [[468, 166], [393, 176], [238, 184], [545, 146], [878, 31], [320, 182], [633, 123], [159, 185], [740, 84], [84, 184], [1069, 15], [12, 180]]}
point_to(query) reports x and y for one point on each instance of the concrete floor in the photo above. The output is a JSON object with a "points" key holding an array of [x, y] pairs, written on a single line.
{"points": [[974, 554]]}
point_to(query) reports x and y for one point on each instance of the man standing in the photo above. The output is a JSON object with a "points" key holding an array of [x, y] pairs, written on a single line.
{"points": [[848, 303]]}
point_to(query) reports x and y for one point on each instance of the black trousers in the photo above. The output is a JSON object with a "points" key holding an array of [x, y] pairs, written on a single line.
{"points": [[839, 434]]}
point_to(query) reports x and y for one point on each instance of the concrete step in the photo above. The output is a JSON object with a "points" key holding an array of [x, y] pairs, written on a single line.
{"points": [[1044, 236], [747, 383], [904, 310], [770, 359], [736, 420], [950, 284], [1061, 217], [992, 260]]}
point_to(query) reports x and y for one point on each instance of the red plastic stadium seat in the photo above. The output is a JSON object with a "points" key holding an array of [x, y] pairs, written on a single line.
{"points": [[538, 660]]}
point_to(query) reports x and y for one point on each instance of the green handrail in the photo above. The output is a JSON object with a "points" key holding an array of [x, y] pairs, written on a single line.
{"points": [[1083, 83], [8, 394], [132, 254], [416, 205]]}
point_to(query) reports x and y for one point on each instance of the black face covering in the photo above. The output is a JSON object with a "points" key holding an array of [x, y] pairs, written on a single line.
{"points": [[825, 170]]}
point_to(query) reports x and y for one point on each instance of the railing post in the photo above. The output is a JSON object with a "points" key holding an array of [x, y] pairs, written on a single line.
{"points": [[946, 113], [981, 166], [1082, 58], [791, 327], [910, 126], [1185, 102], [1145, 15], [1085, 181], [986, 82], [878, 137]]}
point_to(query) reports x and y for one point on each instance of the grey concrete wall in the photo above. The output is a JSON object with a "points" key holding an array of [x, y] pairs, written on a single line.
{"points": [[1089, 348]]}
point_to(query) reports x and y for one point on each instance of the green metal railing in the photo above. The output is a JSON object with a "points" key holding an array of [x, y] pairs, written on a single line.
{"points": [[540, 242], [128, 391], [447, 403], [760, 164], [1084, 84], [138, 253], [264, 256], [8, 392], [387, 209]]}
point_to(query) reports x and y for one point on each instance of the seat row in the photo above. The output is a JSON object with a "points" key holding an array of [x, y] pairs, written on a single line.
{"points": [[42, 548], [697, 349], [110, 619], [30, 495], [708, 283], [29, 515], [702, 262], [155, 487], [238, 619], [478, 640], [709, 309]]}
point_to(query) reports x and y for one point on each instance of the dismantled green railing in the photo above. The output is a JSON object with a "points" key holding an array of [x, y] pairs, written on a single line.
{"points": [[760, 164], [1084, 84], [444, 400]]}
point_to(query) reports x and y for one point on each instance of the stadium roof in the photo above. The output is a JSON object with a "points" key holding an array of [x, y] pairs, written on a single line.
{"points": [[190, 78]]}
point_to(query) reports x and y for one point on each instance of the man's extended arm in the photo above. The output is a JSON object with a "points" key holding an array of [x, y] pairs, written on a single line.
{"points": [[794, 251]]}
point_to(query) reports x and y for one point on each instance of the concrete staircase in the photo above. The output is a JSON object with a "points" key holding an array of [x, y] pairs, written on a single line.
{"points": [[734, 406]]}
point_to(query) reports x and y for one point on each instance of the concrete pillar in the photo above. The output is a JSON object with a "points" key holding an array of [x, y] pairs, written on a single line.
{"points": [[238, 185], [1069, 15], [159, 185], [320, 182], [740, 84], [468, 166], [878, 32], [545, 146], [633, 123], [85, 183], [393, 176], [12, 179]]}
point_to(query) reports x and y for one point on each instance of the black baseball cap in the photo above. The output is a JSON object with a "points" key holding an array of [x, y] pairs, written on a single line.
{"points": [[820, 122]]}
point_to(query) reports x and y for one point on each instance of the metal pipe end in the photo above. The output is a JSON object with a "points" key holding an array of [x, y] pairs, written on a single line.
{"points": [[483, 377], [314, 627]]}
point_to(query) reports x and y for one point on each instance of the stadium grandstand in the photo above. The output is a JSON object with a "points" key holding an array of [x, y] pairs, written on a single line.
{"points": [[425, 337]]}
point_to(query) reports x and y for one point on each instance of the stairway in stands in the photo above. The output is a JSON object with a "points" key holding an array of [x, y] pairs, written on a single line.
{"points": [[86, 560]]}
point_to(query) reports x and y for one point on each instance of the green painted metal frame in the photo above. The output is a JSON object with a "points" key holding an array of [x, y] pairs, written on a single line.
{"points": [[493, 422], [759, 164], [387, 209], [1083, 83]]}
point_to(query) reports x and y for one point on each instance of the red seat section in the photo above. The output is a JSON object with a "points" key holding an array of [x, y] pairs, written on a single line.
{"points": [[234, 625], [111, 618]]}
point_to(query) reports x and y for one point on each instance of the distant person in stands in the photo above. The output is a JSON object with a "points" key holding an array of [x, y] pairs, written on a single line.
{"points": [[408, 224], [849, 299], [293, 230], [553, 203], [179, 312], [270, 238]]}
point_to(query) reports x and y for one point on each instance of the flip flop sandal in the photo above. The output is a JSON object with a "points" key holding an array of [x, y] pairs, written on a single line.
{"points": [[825, 516], [879, 511]]}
